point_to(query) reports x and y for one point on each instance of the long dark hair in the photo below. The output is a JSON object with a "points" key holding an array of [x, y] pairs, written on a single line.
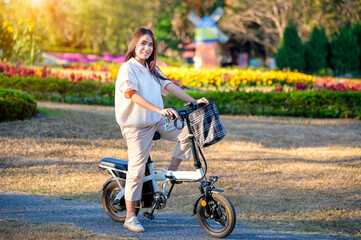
{"points": [[152, 60]]}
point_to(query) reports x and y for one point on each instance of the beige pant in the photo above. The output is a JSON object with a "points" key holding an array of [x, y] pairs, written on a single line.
{"points": [[139, 142]]}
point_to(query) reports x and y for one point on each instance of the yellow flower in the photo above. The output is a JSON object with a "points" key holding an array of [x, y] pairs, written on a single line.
{"points": [[31, 27], [232, 83], [218, 76], [38, 72], [114, 72], [29, 20], [6, 24], [10, 29], [20, 22]]}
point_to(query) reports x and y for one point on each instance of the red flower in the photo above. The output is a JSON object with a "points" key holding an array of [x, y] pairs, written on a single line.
{"points": [[278, 89]]}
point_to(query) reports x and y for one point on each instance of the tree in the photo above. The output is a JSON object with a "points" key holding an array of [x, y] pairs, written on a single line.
{"points": [[316, 50], [103, 25], [345, 52], [29, 36], [264, 21], [356, 30], [291, 54], [332, 14], [107, 25], [6, 39]]}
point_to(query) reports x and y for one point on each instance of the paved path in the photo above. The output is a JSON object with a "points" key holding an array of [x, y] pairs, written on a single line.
{"points": [[93, 217]]}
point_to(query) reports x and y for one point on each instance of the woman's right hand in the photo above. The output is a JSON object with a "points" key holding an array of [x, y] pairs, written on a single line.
{"points": [[169, 113]]}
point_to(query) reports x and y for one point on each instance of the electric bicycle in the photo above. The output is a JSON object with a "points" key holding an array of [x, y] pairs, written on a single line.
{"points": [[215, 212]]}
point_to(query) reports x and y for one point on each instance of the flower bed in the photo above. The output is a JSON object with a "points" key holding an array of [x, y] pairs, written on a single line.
{"points": [[235, 78], [342, 85], [321, 103], [46, 72], [238, 79], [87, 58], [213, 79]]}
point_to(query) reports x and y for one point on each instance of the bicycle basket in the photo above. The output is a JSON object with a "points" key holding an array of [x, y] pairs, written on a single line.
{"points": [[206, 125]]}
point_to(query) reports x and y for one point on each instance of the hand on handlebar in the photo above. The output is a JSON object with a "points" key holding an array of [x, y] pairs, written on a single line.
{"points": [[169, 113], [203, 101]]}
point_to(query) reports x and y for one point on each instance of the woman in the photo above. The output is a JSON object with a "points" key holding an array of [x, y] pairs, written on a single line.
{"points": [[139, 110]]}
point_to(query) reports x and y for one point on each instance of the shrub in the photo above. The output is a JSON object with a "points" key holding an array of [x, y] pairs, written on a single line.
{"points": [[315, 104], [345, 52], [84, 91], [356, 30], [316, 50], [305, 103], [16, 105], [291, 54]]}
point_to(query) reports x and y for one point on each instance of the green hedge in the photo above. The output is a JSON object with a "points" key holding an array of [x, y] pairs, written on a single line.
{"points": [[54, 89], [308, 103], [323, 104], [16, 105]]}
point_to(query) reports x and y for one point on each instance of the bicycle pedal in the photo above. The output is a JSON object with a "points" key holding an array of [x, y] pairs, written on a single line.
{"points": [[148, 215]]}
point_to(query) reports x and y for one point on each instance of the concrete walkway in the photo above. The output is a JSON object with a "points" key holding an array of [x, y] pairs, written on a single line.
{"points": [[93, 217]]}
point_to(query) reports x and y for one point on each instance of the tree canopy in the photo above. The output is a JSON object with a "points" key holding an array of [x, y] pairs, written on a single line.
{"points": [[264, 21], [108, 25]]}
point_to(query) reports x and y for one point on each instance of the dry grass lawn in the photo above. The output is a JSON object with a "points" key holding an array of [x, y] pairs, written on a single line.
{"points": [[13, 229], [296, 174]]}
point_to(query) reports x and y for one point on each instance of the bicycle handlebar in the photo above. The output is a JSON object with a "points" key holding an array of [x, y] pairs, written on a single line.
{"points": [[183, 112], [189, 108]]}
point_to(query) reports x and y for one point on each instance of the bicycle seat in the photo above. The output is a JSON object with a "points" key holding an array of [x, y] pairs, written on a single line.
{"points": [[114, 163], [156, 136]]}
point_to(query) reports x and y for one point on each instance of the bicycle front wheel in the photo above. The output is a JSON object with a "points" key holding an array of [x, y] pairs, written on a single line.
{"points": [[216, 216]]}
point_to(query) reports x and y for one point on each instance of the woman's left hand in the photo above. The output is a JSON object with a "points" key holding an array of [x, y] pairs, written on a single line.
{"points": [[202, 101]]}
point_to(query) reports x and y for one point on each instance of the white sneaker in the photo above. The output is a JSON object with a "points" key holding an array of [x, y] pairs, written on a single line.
{"points": [[133, 225]]}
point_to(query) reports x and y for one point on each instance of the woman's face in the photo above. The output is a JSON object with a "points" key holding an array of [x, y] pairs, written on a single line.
{"points": [[144, 48]]}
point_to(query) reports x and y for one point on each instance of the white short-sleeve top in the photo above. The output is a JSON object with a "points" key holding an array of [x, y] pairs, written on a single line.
{"points": [[133, 75]]}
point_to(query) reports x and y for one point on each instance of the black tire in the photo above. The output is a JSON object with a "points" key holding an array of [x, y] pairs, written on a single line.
{"points": [[117, 211], [224, 221]]}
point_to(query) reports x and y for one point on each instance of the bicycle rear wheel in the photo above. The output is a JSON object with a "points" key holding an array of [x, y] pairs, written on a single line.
{"points": [[220, 219], [115, 210]]}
